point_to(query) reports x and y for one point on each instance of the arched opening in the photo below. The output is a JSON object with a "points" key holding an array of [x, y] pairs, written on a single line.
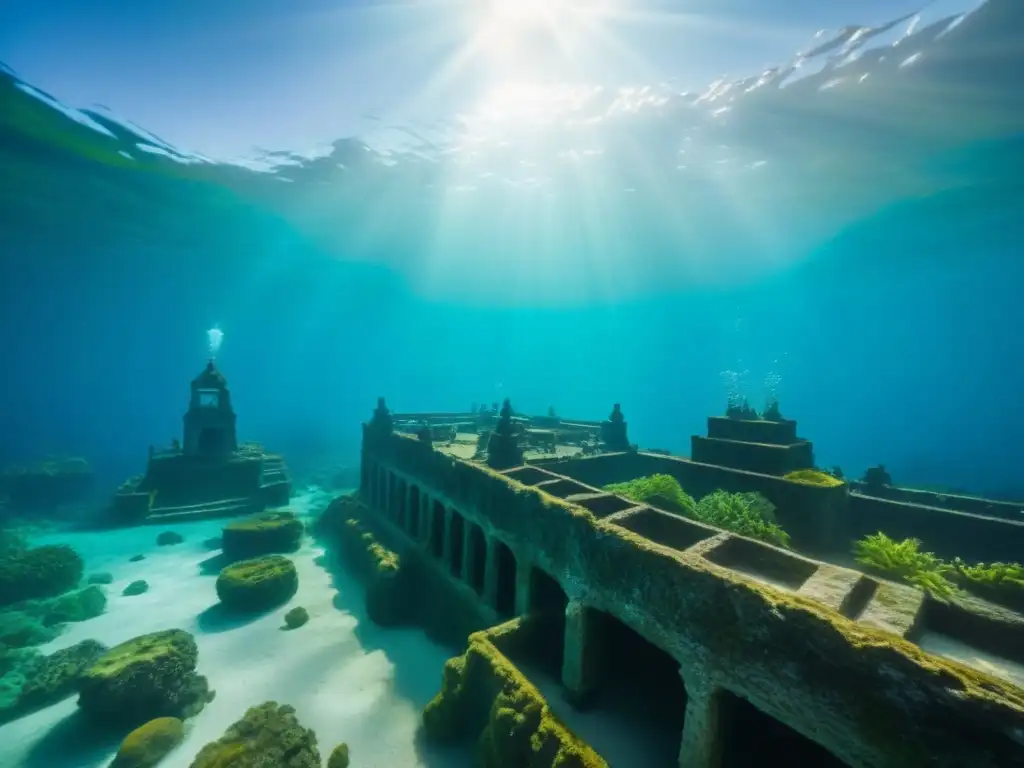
{"points": [[413, 522], [437, 530], [506, 597], [547, 605], [403, 502], [456, 533], [641, 684], [750, 736], [477, 558]]}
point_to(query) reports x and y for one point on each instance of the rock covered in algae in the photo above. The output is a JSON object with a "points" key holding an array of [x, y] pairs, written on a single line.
{"points": [[37, 572], [34, 622], [268, 735], [169, 539], [136, 588], [148, 744], [144, 678], [100, 578], [274, 532], [29, 681], [339, 757], [296, 617], [258, 584]]}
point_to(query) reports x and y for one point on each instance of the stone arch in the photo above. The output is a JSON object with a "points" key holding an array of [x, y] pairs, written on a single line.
{"points": [[413, 520], [456, 541], [548, 603], [437, 530], [505, 599], [476, 569]]}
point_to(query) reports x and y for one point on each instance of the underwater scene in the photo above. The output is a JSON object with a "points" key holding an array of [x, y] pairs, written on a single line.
{"points": [[512, 383]]}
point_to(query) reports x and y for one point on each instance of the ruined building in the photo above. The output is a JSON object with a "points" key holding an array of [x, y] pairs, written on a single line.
{"points": [[207, 473]]}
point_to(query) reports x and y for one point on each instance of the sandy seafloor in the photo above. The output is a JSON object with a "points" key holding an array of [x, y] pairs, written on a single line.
{"points": [[347, 679]]}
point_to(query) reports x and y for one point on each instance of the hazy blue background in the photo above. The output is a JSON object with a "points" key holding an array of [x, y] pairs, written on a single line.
{"points": [[882, 288]]}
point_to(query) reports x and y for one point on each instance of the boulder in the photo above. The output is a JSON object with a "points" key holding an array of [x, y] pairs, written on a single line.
{"points": [[32, 681], [148, 744], [273, 532], [295, 618], [144, 678], [339, 757], [258, 584], [268, 735], [169, 538], [100, 578], [136, 588]]}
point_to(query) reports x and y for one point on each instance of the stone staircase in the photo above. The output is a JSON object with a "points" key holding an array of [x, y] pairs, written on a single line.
{"points": [[274, 471], [207, 511]]}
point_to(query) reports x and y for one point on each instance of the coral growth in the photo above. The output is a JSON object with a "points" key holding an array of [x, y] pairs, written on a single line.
{"points": [[268, 735], [772, 411], [748, 514], [29, 681], [37, 572], [274, 532], [380, 569], [144, 678], [148, 744], [740, 409], [815, 477], [258, 584]]}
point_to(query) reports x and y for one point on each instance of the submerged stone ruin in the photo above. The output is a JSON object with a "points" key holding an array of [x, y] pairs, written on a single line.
{"points": [[208, 473], [743, 650]]}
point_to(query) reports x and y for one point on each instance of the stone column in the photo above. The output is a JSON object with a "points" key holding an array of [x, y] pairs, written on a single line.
{"points": [[581, 660], [702, 733], [446, 558], [467, 550], [524, 583]]}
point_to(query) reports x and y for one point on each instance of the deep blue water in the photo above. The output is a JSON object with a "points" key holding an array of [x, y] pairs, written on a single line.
{"points": [[854, 240]]}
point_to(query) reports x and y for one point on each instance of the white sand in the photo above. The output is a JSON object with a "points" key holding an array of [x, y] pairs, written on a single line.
{"points": [[347, 679]]}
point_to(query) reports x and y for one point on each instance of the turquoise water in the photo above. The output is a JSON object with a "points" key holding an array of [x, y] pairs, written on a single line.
{"points": [[836, 229]]}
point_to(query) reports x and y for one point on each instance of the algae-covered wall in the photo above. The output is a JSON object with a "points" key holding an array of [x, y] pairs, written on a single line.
{"points": [[871, 698]]}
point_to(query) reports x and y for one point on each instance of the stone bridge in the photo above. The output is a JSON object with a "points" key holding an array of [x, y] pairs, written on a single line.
{"points": [[819, 649]]}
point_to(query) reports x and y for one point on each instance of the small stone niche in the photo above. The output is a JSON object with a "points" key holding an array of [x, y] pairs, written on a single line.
{"points": [[665, 528], [601, 504], [529, 475], [763, 562]]}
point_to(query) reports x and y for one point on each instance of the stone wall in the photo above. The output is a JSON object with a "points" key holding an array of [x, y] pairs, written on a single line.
{"points": [[869, 696]]}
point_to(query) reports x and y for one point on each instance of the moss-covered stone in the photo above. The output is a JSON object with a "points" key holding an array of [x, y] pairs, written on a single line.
{"points": [[388, 592], [295, 618], [814, 477], [148, 744], [136, 588], [258, 584], [32, 682], [274, 532], [136, 558], [100, 578], [37, 572], [268, 735], [169, 538], [144, 678], [484, 696], [20, 630], [33, 622], [339, 757]]}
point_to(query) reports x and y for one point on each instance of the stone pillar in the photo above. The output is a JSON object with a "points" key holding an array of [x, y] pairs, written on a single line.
{"points": [[702, 733], [582, 657], [467, 550], [446, 546], [524, 583], [385, 505]]}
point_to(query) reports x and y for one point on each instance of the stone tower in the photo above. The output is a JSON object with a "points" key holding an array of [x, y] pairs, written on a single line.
{"points": [[210, 421], [613, 431]]}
